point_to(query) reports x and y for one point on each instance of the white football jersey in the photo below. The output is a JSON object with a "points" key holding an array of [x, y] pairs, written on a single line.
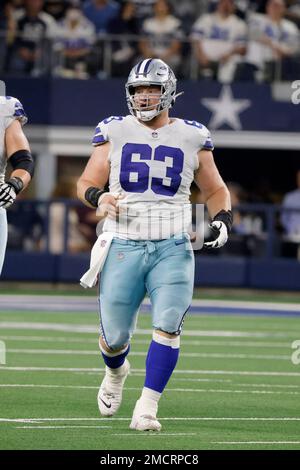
{"points": [[284, 33], [153, 170], [218, 36], [10, 109]]}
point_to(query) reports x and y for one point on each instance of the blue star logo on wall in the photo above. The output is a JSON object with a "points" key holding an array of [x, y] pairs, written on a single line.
{"points": [[226, 109]]}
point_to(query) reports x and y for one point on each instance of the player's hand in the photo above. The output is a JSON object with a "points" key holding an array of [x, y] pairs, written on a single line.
{"points": [[220, 234], [7, 195], [108, 205]]}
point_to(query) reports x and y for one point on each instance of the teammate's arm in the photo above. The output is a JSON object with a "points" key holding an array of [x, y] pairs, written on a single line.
{"points": [[90, 186], [18, 152], [216, 197], [16, 143]]}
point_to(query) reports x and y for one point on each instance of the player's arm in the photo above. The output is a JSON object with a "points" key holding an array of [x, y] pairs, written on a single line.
{"points": [[213, 189], [19, 155], [90, 186], [216, 197]]}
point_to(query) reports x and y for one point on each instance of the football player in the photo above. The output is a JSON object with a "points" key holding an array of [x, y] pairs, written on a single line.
{"points": [[15, 148], [150, 161]]}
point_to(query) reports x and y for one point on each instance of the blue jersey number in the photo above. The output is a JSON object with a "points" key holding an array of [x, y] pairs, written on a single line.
{"points": [[112, 118], [134, 175]]}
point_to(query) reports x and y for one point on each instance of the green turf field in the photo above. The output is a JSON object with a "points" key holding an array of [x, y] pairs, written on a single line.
{"points": [[235, 386]]}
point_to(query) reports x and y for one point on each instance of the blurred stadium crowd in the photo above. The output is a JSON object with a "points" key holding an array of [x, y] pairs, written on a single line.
{"points": [[256, 40]]}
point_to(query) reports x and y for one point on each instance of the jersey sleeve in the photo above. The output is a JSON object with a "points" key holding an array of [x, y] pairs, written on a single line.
{"points": [[200, 135], [207, 143], [240, 38], [101, 134], [15, 110], [200, 28]]}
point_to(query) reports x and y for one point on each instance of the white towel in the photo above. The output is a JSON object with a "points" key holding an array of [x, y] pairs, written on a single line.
{"points": [[98, 256]]}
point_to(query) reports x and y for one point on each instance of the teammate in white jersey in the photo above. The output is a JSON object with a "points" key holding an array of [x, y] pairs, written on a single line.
{"points": [[15, 148], [150, 161]]}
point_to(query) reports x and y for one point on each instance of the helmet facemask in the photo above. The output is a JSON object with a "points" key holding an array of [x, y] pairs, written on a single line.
{"points": [[150, 72], [146, 106]]}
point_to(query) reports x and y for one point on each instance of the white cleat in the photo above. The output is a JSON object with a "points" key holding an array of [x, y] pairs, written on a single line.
{"points": [[110, 391], [143, 419]]}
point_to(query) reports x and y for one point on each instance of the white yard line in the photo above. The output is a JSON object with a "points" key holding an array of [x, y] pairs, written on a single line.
{"points": [[144, 353], [228, 333], [184, 342], [192, 418], [169, 389], [267, 385], [62, 301], [130, 434], [240, 344], [87, 387], [63, 427], [44, 326], [176, 371], [254, 442], [154, 434], [189, 379], [270, 306], [83, 328], [51, 339], [256, 392], [173, 379]]}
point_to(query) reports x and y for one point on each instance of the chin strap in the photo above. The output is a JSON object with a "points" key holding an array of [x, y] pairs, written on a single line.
{"points": [[144, 117]]}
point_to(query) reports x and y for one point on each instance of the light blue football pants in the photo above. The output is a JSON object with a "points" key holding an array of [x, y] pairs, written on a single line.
{"points": [[164, 269], [3, 236]]}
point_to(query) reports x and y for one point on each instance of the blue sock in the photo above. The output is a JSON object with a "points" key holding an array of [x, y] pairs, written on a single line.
{"points": [[115, 360], [161, 361]]}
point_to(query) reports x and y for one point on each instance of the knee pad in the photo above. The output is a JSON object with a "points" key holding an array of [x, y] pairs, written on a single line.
{"points": [[170, 320], [117, 340]]}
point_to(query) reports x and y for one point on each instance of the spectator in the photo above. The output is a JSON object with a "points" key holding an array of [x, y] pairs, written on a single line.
{"points": [[76, 35], [26, 226], [243, 223], [77, 240], [124, 51], [144, 9], [273, 41], [291, 219], [164, 33], [219, 42], [187, 11], [100, 13], [7, 33], [34, 27], [293, 11], [247, 237], [17, 5], [243, 7], [56, 8]]}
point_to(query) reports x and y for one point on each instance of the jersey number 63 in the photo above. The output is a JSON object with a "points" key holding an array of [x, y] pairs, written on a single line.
{"points": [[135, 174]]}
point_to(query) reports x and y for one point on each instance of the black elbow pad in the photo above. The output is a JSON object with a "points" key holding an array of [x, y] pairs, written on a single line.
{"points": [[22, 160]]}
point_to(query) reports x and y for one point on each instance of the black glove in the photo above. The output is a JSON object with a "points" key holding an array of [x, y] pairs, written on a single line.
{"points": [[220, 227]]}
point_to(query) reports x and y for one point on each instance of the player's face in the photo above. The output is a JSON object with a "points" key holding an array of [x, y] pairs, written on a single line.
{"points": [[226, 7], [147, 97], [276, 8]]}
